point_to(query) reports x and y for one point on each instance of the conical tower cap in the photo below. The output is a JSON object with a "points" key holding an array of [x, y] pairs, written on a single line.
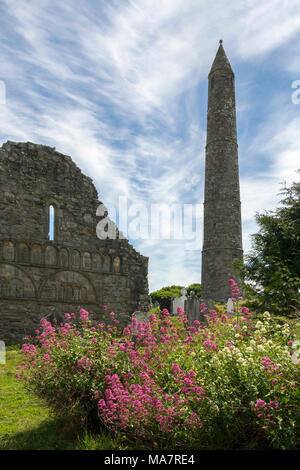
{"points": [[221, 61]]}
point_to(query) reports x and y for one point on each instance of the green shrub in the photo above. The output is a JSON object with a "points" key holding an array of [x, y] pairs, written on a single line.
{"points": [[165, 294], [227, 384]]}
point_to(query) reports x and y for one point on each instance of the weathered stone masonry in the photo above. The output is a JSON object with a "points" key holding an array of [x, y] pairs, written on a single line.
{"points": [[40, 277], [222, 241]]}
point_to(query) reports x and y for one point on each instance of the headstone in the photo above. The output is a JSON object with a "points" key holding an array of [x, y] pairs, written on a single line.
{"points": [[141, 317], [209, 304], [230, 306], [179, 302], [193, 306], [2, 353]]}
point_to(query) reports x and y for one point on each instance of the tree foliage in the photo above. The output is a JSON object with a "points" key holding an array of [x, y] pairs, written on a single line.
{"points": [[194, 287], [271, 271], [164, 295]]}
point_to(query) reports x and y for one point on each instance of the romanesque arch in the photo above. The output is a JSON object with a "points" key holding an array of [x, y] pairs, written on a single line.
{"points": [[51, 256], [75, 259], [36, 254], [86, 261], [22, 253], [8, 251], [15, 283], [116, 264], [97, 264], [106, 263], [64, 257], [68, 286]]}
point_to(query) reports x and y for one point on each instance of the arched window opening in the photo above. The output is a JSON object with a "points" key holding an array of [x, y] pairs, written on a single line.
{"points": [[212, 82], [51, 223]]}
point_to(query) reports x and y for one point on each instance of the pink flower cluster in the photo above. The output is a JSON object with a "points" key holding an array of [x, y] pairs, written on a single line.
{"points": [[210, 345], [269, 366], [151, 380], [267, 412], [138, 406], [84, 316], [29, 350], [212, 317], [84, 363], [188, 381], [235, 291]]}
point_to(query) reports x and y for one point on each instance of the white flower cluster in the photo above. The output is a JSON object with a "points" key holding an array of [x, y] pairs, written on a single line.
{"points": [[267, 316], [285, 330]]}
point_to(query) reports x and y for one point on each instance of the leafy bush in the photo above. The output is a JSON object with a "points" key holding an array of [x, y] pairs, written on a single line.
{"points": [[165, 294], [196, 287], [271, 271], [228, 384]]}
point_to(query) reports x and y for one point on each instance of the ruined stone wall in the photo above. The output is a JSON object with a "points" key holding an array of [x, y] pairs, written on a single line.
{"points": [[40, 277]]}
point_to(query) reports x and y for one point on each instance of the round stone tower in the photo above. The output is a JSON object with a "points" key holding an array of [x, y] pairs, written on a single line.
{"points": [[222, 241]]}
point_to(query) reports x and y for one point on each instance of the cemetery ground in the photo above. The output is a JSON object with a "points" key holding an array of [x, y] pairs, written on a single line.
{"points": [[26, 423]]}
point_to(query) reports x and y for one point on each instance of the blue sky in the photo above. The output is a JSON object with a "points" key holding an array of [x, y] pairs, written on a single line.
{"points": [[121, 87]]}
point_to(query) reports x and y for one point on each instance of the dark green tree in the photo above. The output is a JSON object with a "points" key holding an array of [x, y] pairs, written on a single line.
{"points": [[196, 288], [165, 294], [271, 271]]}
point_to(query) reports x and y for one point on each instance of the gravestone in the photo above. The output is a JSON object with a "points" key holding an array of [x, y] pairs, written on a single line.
{"points": [[141, 317], [192, 308], [230, 306], [179, 302]]}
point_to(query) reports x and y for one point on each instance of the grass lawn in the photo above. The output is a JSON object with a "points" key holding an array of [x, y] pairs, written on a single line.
{"points": [[27, 424]]}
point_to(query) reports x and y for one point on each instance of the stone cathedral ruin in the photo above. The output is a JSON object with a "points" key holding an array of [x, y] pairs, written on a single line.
{"points": [[40, 277]]}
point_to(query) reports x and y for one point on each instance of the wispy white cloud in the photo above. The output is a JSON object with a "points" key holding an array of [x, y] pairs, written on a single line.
{"points": [[265, 26], [261, 191], [121, 87]]}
